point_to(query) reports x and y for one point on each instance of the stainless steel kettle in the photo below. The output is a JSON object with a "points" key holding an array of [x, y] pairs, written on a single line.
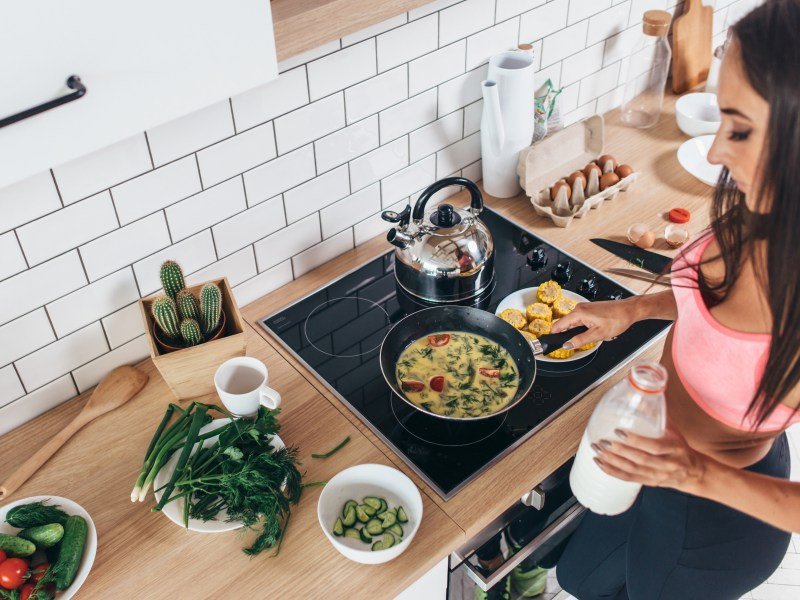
{"points": [[446, 256]]}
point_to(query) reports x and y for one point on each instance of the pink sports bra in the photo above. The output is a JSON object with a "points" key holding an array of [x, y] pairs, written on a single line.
{"points": [[719, 367]]}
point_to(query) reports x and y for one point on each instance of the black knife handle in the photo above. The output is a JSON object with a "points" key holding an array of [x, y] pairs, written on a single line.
{"points": [[554, 341]]}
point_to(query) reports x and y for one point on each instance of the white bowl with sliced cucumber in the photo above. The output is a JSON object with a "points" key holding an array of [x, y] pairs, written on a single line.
{"points": [[370, 513]]}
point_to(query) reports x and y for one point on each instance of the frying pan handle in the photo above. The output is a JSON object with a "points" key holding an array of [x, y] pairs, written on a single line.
{"points": [[545, 344]]}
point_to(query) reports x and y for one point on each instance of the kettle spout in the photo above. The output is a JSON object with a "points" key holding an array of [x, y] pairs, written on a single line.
{"points": [[492, 119], [399, 238]]}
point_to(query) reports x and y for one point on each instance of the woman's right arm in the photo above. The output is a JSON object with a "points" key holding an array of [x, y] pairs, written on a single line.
{"points": [[607, 320]]}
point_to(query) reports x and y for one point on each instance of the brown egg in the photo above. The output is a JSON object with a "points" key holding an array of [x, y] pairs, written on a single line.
{"points": [[606, 158], [623, 171], [647, 239], [555, 189], [591, 167], [608, 180], [576, 175]]}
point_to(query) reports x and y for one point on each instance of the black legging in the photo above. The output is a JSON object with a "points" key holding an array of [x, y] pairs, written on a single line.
{"points": [[672, 545]]}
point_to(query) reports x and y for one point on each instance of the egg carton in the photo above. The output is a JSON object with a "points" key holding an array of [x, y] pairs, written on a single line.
{"points": [[571, 149]]}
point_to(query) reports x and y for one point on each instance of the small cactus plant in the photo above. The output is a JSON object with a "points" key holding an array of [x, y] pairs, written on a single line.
{"points": [[188, 307], [210, 306], [172, 278], [190, 331], [166, 315]]}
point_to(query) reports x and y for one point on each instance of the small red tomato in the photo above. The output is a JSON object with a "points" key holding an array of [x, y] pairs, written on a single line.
{"points": [[2, 556], [12, 573], [489, 372], [439, 340], [411, 385], [26, 591], [437, 383], [38, 572]]}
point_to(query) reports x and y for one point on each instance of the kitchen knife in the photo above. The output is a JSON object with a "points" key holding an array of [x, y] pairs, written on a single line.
{"points": [[643, 275], [644, 259]]}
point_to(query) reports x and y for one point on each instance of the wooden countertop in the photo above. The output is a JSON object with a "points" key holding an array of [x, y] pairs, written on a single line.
{"points": [[98, 466]]}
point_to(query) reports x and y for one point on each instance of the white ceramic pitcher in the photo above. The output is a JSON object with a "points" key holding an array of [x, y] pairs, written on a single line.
{"points": [[507, 120]]}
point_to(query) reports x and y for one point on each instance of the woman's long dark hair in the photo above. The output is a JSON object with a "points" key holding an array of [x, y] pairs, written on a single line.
{"points": [[767, 41]]}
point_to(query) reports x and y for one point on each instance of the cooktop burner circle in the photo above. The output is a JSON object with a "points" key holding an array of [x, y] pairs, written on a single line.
{"points": [[557, 369], [444, 432], [356, 320]]}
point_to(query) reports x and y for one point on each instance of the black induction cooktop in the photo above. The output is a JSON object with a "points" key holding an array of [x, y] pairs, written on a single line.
{"points": [[337, 332]]}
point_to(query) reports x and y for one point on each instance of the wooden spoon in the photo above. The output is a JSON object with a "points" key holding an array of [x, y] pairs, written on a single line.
{"points": [[116, 388]]}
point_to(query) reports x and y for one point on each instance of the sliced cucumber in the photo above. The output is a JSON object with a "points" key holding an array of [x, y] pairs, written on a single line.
{"points": [[349, 517], [396, 530], [374, 527], [388, 540], [362, 516], [338, 528], [347, 506], [370, 510], [377, 546], [365, 537], [383, 507], [352, 533], [388, 520], [373, 501], [402, 517]]}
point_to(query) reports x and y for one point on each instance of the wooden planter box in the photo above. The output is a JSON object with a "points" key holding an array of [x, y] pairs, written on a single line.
{"points": [[189, 372]]}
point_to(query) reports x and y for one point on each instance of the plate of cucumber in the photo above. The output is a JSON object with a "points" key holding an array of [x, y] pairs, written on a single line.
{"points": [[53, 530], [370, 513]]}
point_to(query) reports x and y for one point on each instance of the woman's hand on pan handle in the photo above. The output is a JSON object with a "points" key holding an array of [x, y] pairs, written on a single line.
{"points": [[604, 321]]}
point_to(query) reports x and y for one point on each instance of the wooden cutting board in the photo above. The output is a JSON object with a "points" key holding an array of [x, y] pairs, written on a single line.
{"points": [[691, 46]]}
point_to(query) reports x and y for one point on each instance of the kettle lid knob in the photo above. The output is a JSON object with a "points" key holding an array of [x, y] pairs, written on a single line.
{"points": [[445, 216]]}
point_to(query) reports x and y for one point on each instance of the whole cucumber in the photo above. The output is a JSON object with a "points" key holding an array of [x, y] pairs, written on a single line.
{"points": [[69, 557], [44, 536], [16, 546]]}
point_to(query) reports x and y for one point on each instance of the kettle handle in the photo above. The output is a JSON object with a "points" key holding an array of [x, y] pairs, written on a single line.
{"points": [[476, 204]]}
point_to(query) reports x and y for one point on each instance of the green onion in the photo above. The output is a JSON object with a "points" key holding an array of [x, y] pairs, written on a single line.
{"points": [[198, 420], [330, 453]]}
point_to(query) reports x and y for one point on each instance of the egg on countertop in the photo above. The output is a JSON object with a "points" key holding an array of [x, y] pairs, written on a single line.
{"points": [[557, 187], [608, 179]]}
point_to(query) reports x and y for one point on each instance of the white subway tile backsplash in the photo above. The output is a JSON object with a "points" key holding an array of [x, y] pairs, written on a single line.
{"points": [[473, 172], [62, 356], [206, 208], [620, 45], [719, 23], [465, 18], [377, 93], [374, 30], [123, 325], [90, 374], [610, 100], [248, 226], [458, 156], [67, 228], [263, 283], [349, 211], [511, 8], [238, 267], [37, 286], [436, 67], [191, 254], [322, 252], [483, 45], [581, 9], [101, 169], [316, 194], [259, 105], [287, 242], [375, 225], [344, 145], [437, 135], [580, 65], [608, 23], [239, 153], [341, 69], [88, 304], [543, 21], [125, 246], [304, 57], [34, 404], [553, 73], [462, 90], [194, 131], [472, 117], [598, 84], [24, 335], [639, 7], [12, 260], [411, 179], [309, 123], [400, 45], [280, 174], [564, 43], [378, 163], [568, 98], [27, 200], [10, 385], [157, 189], [581, 113], [429, 8]]}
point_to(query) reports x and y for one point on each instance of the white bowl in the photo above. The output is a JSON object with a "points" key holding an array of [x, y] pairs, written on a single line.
{"points": [[692, 155], [71, 508], [698, 114], [369, 480]]}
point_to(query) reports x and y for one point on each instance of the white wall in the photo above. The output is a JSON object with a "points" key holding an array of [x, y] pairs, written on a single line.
{"points": [[269, 185]]}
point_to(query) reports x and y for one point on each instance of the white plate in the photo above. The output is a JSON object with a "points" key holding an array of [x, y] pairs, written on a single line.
{"points": [[174, 510], [522, 298], [71, 508], [692, 157]]}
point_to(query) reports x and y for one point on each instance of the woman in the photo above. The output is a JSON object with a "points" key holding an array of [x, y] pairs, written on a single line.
{"points": [[714, 515]]}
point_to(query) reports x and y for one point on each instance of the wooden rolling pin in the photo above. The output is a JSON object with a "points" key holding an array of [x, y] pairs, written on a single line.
{"points": [[116, 388]]}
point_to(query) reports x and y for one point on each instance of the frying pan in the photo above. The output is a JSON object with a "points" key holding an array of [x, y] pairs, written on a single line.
{"points": [[469, 320]]}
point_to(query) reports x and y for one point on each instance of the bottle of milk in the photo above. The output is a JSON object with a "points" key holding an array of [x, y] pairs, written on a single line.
{"points": [[636, 404]]}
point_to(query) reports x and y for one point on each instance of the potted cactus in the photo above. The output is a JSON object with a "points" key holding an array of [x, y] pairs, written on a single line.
{"points": [[191, 330]]}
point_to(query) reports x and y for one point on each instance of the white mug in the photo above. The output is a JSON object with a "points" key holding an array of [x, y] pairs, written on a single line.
{"points": [[241, 383]]}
